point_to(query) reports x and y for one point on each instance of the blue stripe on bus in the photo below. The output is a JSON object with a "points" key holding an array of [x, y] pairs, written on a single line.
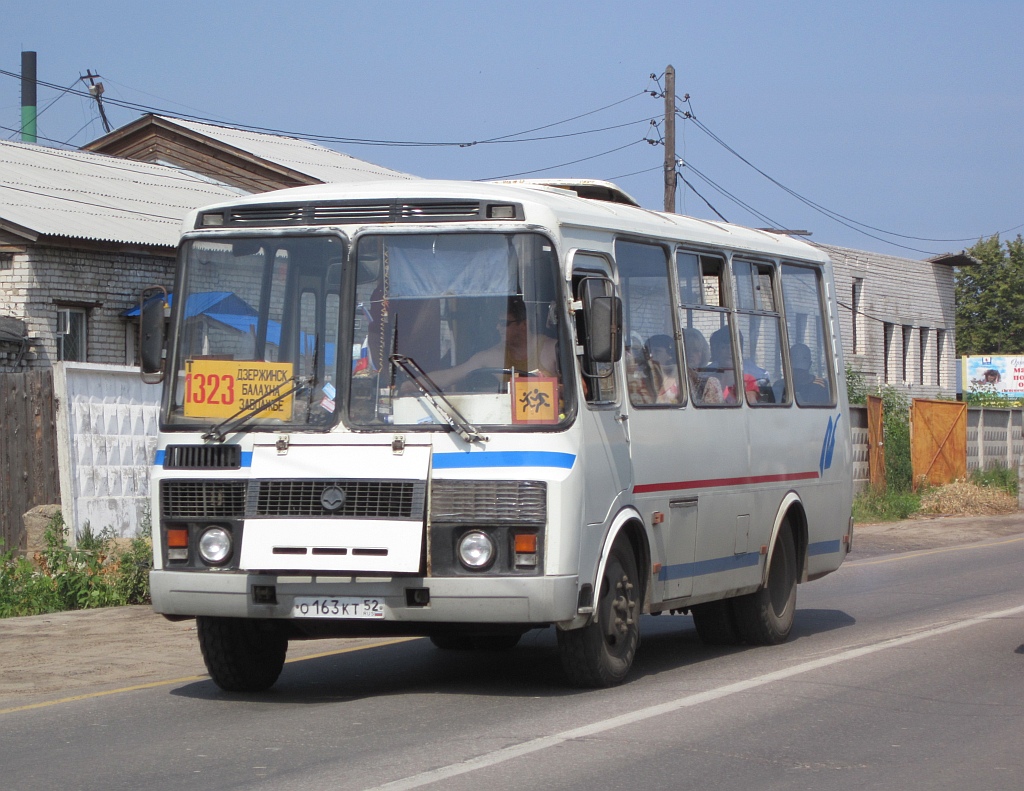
{"points": [[503, 458], [824, 547], [246, 458], [713, 566]]}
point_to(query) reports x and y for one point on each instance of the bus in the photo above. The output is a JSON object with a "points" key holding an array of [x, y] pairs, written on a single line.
{"points": [[467, 410]]}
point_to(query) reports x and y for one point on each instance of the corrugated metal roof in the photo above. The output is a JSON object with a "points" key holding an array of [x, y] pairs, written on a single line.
{"points": [[79, 195], [321, 163]]}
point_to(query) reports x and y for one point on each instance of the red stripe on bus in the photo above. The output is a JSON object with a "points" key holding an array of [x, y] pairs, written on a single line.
{"points": [[711, 483]]}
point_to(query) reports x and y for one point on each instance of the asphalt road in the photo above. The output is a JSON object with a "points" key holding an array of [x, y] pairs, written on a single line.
{"points": [[905, 670]]}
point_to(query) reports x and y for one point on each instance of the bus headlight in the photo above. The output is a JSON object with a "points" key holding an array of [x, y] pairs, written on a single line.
{"points": [[476, 550], [215, 545]]}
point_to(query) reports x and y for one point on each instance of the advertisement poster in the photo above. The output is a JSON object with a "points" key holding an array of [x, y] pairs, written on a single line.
{"points": [[999, 375]]}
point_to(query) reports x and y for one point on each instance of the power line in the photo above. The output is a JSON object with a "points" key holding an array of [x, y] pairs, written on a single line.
{"points": [[563, 164], [316, 137], [849, 222]]}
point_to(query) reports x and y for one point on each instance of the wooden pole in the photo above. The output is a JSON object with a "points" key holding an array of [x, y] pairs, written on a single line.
{"points": [[670, 139]]}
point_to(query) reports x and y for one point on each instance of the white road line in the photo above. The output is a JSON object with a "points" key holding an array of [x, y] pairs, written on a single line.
{"points": [[544, 742]]}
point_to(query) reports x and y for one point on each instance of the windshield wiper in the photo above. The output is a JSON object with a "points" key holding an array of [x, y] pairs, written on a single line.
{"points": [[218, 432], [438, 400]]}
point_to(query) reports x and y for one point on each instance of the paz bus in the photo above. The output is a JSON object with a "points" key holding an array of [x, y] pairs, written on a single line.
{"points": [[466, 410]]}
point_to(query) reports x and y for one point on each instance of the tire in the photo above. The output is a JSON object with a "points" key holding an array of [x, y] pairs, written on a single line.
{"points": [[766, 616], [601, 653], [477, 642], [716, 623], [241, 654]]}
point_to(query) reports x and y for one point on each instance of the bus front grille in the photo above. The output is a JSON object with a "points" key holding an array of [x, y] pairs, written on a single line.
{"points": [[353, 499], [202, 499]]}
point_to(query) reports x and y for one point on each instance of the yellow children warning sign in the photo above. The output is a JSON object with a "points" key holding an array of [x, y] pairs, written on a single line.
{"points": [[222, 388], [536, 399]]}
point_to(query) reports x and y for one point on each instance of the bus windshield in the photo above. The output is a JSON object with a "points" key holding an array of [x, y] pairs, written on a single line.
{"points": [[257, 339], [457, 328]]}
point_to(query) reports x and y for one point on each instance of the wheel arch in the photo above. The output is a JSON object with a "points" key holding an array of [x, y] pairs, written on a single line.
{"points": [[628, 524], [790, 511]]}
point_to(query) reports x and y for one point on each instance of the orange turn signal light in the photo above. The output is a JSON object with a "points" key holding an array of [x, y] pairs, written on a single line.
{"points": [[177, 537], [526, 543]]}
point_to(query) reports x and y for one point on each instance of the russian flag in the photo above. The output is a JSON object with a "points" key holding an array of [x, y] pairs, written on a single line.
{"points": [[363, 361]]}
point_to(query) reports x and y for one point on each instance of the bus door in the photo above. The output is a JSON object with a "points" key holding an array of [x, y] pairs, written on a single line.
{"points": [[607, 474], [660, 425]]}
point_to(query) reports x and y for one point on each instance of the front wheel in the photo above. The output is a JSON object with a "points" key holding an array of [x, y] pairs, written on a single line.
{"points": [[241, 654], [766, 616], [601, 654]]}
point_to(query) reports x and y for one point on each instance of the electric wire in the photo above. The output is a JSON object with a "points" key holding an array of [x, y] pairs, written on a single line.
{"points": [[563, 164]]}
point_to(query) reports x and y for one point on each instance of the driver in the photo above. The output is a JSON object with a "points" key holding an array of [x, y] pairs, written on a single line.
{"points": [[520, 349]]}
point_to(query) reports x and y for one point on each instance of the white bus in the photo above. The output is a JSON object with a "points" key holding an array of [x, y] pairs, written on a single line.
{"points": [[468, 410]]}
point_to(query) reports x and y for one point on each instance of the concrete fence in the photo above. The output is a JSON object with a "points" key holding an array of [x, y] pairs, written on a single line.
{"points": [[107, 422], [995, 438]]}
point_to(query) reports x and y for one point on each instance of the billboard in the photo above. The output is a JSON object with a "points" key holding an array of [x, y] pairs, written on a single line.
{"points": [[996, 374]]}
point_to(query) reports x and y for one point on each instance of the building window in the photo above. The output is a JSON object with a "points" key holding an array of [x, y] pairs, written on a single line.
{"points": [[887, 353], [6, 261], [71, 334], [923, 370], [908, 342], [859, 334], [940, 350]]}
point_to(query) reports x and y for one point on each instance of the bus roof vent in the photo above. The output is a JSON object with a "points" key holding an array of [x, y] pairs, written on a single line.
{"points": [[462, 210], [592, 189]]}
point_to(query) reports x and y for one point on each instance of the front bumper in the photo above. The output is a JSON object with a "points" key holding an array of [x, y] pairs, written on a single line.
{"points": [[483, 600]]}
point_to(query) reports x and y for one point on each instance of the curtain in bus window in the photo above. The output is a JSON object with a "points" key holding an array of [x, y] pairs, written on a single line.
{"points": [[451, 264]]}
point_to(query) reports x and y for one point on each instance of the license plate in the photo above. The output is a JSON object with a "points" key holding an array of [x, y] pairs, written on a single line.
{"points": [[337, 607]]}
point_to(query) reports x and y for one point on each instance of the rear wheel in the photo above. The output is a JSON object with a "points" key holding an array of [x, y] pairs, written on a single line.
{"points": [[601, 654], [242, 654], [766, 616]]}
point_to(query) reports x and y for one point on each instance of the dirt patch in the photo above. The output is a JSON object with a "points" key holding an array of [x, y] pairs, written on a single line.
{"points": [[932, 532]]}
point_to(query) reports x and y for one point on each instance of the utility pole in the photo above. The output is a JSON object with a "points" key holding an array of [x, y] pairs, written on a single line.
{"points": [[670, 139], [96, 92]]}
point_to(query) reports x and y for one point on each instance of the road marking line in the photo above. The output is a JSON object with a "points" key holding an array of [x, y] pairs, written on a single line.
{"points": [[542, 743], [921, 552], [169, 682]]}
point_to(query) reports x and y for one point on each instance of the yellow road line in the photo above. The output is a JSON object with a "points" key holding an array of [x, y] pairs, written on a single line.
{"points": [[168, 682], [922, 552]]}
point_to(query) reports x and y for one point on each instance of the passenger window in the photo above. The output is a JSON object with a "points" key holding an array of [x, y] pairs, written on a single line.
{"points": [[710, 360], [809, 360], [653, 372], [760, 333]]}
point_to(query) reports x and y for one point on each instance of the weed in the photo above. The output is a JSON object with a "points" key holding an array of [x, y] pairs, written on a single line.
{"points": [[99, 572], [888, 506]]}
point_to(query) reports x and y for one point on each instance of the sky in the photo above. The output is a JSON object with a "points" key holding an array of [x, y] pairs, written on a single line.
{"points": [[895, 127]]}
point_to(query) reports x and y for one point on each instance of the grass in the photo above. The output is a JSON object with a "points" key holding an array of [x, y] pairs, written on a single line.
{"points": [[890, 506], [102, 571]]}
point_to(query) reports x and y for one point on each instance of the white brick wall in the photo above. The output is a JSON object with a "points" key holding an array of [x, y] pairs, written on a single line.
{"points": [[903, 293]]}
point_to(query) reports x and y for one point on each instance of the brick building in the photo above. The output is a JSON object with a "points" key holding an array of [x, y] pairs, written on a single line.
{"points": [[83, 232], [897, 319]]}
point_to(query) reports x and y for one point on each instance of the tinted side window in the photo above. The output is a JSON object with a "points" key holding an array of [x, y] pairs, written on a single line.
{"points": [[760, 332], [707, 337]]}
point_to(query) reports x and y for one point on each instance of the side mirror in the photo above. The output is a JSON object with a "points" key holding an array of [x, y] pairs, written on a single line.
{"points": [[152, 334], [604, 329]]}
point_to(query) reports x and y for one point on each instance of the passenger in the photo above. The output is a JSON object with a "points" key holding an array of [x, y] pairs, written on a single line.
{"points": [[705, 389], [810, 389], [723, 368], [520, 349], [661, 356]]}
